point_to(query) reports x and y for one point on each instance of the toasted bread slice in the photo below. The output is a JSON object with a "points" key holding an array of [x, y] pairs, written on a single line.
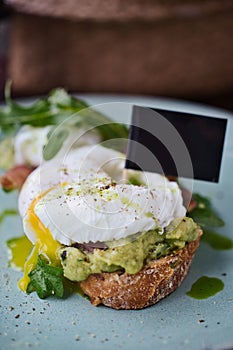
{"points": [[154, 282]]}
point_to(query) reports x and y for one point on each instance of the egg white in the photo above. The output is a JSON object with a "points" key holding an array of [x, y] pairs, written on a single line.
{"points": [[83, 198], [30, 141], [80, 163], [101, 211]]}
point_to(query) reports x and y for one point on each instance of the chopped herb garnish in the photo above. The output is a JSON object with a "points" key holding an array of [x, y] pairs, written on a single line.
{"points": [[203, 214], [46, 280]]}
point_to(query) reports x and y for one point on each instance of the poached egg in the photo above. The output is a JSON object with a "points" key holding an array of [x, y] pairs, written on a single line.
{"points": [[79, 201]]}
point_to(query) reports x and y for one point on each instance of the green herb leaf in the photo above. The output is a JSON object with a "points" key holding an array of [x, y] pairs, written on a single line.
{"points": [[46, 111], [206, 217], [46, 280], [53, 110], [204, 214], [55, 143], [202, 202], [62, 100]]}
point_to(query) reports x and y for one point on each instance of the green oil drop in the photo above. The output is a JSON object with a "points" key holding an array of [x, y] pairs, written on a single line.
{"points": [[217, 241], [6, 213], [205, 287]]}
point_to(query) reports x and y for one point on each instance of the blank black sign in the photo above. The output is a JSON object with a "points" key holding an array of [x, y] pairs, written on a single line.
{"points": [[172, 143]]}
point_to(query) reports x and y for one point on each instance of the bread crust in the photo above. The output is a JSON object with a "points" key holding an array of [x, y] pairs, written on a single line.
{"points": [[154, 282]]}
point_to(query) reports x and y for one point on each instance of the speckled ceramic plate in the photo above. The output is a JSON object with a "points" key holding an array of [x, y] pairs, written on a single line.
{"points": [[177, 322]]}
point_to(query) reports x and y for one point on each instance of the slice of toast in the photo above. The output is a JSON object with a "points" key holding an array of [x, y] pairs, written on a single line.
{"points": [[154, 282]]}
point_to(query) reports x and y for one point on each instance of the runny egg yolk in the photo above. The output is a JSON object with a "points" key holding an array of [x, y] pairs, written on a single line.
{"points": [[45, 244]]}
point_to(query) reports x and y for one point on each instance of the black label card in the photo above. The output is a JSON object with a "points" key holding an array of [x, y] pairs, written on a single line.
{"points": [[176, 143]]}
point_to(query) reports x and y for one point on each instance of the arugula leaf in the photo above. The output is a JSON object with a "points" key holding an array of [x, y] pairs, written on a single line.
{"points": [[46, 111], [204, 214], [206, 217], [55, 143], [53, 110], [202, 202], [61, 99], [46, 280]]}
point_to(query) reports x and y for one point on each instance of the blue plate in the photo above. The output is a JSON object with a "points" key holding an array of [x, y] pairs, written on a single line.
{"points": [[176, 322]]}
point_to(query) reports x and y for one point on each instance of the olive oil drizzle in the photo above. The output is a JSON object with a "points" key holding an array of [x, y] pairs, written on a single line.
{"points": [[217, 241], [6, 213]]}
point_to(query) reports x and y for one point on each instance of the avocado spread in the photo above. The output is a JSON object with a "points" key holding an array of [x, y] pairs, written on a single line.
{"points": [[127, 254]]}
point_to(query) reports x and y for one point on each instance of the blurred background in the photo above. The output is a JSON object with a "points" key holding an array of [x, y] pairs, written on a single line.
{"points": [[170, 48]]}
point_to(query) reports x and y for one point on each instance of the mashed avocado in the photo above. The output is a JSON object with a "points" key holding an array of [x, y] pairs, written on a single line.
{"points": [[128, 254]]}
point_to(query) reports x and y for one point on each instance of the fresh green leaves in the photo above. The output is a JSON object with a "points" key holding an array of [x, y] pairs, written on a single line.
{"points": [[204, 214], [45, 111], [58, 107], [206, 217], [46, 280], [55, 143]]}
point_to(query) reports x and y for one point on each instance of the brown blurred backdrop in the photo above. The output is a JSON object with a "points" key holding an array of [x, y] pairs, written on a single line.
{"points": [[169, 48]]}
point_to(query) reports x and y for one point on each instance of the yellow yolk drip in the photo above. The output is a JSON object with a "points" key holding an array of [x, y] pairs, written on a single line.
{"points": [[45, 244], [19, 248]]}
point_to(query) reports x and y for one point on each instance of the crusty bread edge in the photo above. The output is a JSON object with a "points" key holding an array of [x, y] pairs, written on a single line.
{"points": [[154, 282]]}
